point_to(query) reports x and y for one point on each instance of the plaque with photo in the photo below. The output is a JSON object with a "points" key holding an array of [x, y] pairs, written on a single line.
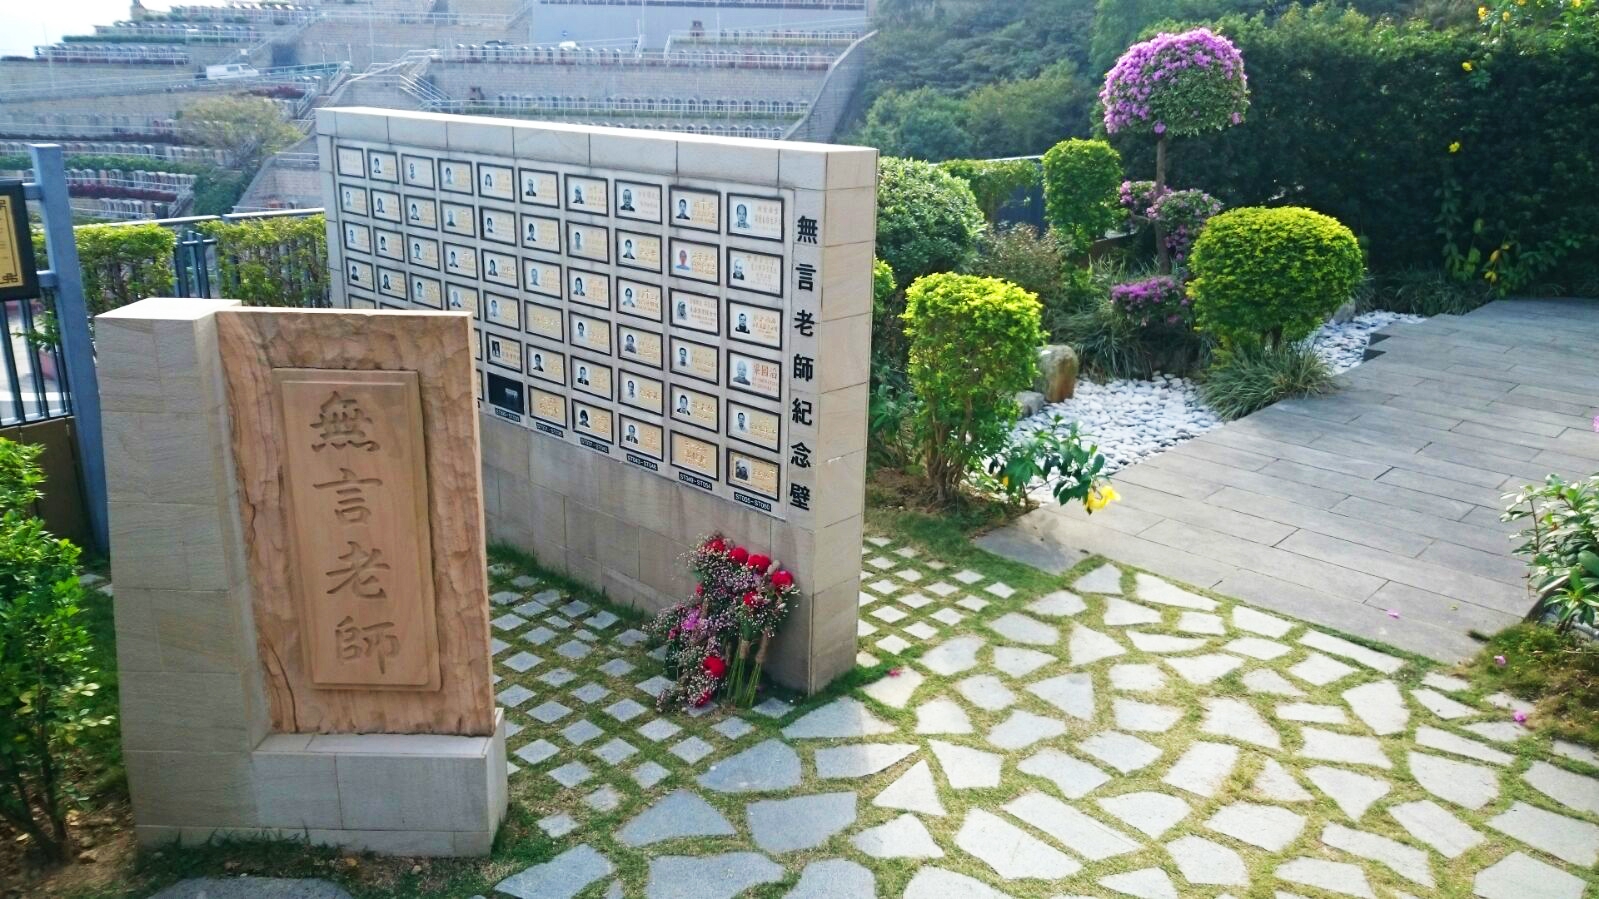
{"points": [[752, 375], [589, 242], [389, 244], [545, 321], [638, 250], [459, 219], [754, 426], [752, 473], [755, 324], [500, 268], [695, 311], [539, 233], [591, 420], [455, 176], [460, 261], [506, 393], [546, 365], [695, 261], [427, 291], [697, 360], [461, 299], [637, 201], [498, 225], [385, 205], [424, 252], [592, 334], [758, 217], [760, 272], [641, 437], [495, 182], [538, 187], [546, 406], [383, 166], [506, 352], [357, 237], [359, 274], [638, 299], [694, 455], [391, 282], [640, 391], [591, 377], [636, 345], [695, 408], [503, 311], [417, 171], [353, 200], [352, 162], [696, 209], [587, 195], [588, 288], [541, 277], [421, 212]]}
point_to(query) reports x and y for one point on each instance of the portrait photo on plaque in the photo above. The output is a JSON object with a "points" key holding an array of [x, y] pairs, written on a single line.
{"points": [[546, 322], [592, 421], [692, 407], [696, 360], [538, 187], [591, 377], [386, 205], [460, 260], [759, 272], [417, 171], [590, 242], [748, 323], [498, 225], [588, 288], [502, 310], [421, 212], [353, 200], [388, 244], [587, 195], [496, 182], [424, 252], [427, 292], [641, 251], [391, 282], [695, 311], [455, 176], [695, 261], [357, 237], [383, 166], [752, 473], [593, 334], [359, 274], [507, 393], [637, 201], [640, 391], [641, 437], [754, 375], [540, 233], [547, 407], [638, 299], [635, 345], [461, 299], [459, 219], [754, 426], [351, 162], [541, 277], [500, 268], [696, 209], [506, 352], [695, 455], [758, 217], [546, 365]]}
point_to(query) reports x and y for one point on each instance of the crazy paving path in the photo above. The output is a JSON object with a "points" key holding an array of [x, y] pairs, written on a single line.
{"points": [[1119, 737]]}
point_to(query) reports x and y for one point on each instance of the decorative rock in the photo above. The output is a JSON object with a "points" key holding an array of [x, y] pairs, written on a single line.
{"points": [[1201, 623], [834, 878], [1204, 862], [1019, 628], [1071, 693], [1089, 646], [1137, 678], [1441, 705], [1518, 876], [1334, 877], [986, 692], [1320, 670], [561, 877], [1060, 604], [1203, 768], [1148, 883], [894, 690], [843, 717], [1070, 827], [1562, 837], [1031, 402], [1270, 683], [1163, 643], [1023, 729], [804, 822], [952, 656], [1074, 778], [1354, 793], [1462, 783], [1342, 648], [1239, 720], [1120, 612], [914, 791], [709, 876], [1331, 747], [1428, 822], [1380, 706], [859, 759], [967, 768], [1106, 579], [937, 883], [1568, 789], [1267, 826], [1151, 813], [1274, 782], [680, 814], [768, 766], [1013, 853], [1153, 589], [1257, 622], [1121, 751], [1204, 669], [1408, 863], [1057, 372], [942, 716], [1433, 738], [902, 837], [1018, 662]]}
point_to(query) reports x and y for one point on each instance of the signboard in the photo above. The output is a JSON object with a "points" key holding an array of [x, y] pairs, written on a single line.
{"points": [[18, 278]]}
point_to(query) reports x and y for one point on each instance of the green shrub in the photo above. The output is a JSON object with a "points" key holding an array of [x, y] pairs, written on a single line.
{"points": [[1561, 543], [888, 332], [927, 219], [1251, 377], [272, 262], [973, 346], [1030, 260], [1271, 275], [1425, 291], [1082, 181], [123, 264], [994, 181], [44, 650]]}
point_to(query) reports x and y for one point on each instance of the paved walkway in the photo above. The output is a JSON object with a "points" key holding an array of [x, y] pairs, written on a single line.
{"points": [[1382, 498]]}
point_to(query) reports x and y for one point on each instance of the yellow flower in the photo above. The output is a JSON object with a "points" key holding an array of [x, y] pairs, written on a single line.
{"points": [[1466, 65], [1521, 2], [1482, 13], [1504, 16], [1454, 147], [1490, 277], [1576, 4], [1100, 497]]}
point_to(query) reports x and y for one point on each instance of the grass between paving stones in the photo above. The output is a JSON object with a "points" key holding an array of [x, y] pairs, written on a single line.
{"points": [[1558, 672]]}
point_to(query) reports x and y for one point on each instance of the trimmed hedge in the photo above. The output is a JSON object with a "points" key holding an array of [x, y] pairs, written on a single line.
{"points": [[1082, 180]]}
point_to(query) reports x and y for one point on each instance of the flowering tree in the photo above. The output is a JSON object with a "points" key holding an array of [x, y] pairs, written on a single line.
{"points": [[1175, 84]]}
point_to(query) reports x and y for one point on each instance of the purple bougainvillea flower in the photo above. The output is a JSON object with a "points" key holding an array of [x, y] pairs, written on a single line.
{"points": [[1520, 716], [1182, 83], [1500, 661], [1393, 613]]}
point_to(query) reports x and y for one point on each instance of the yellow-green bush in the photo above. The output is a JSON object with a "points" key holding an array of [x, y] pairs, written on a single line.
{"points": [[1271, 275], [123, 264], [1082, 179], [973, 346]]}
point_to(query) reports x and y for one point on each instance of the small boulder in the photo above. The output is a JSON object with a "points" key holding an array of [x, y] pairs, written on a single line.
{"points": [[1031, 401], [1057, 372]]}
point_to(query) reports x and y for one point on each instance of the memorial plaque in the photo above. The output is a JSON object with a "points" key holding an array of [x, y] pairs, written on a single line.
{"points": [[357, 238], [588, 288], [541, 277], [641, 437], [695, 261], [589, 333], [425, 252], [760, 217], [546, 365], [462, 299], [755, 324], [638, 201], [636, 250], [752, 425], [504, 352], [503, 311], [384, 166], [352, 162], [752, 473], [353, 200], [641, 391], [427, 292], [588, 242], [754, 375], [500, 268], [549, 407], [19, 279], [760, 272], [499, 226], [420, 212], [455, 176], [591, 378], [390, 244], [638, 299], [637, 345], [538, 188], [460, 260], [385, 205], [418, 171], [695, 455], [356, 488], [459, 219], [495, 182], [540, 233], [696, 408], [695, 311], [586, 195], [697, 209], [545, 321], [697, 360]]}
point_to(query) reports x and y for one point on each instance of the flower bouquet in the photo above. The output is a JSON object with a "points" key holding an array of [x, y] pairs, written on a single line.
{"points": [[717, 642]]}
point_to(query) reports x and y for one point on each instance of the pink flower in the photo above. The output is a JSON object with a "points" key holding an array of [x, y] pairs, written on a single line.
{"points": [[1500, 661], [1393, 613], [894, 672], [1520, 716], [1596, 423]]}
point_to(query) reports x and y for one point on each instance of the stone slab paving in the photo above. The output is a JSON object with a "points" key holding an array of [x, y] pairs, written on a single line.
{"points": [[1381, 497], [1219, 751]]}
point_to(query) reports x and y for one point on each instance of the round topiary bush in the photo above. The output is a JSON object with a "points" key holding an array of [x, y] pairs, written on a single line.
{"points": [[927, 219], [1177, 84], [1271, 275], [1081, 180]]}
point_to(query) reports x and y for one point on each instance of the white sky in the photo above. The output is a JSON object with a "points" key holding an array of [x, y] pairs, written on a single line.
{"points": [[25, 23]]}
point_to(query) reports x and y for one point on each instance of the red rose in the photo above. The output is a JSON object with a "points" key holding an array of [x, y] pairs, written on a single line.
{"points": [[715, 545], [739, 555], [750, 599], [699, 589], [703, 699], [760, 563], [715, 667], [782, 578]]}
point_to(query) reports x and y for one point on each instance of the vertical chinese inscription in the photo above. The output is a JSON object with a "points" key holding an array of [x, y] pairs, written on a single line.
{"points": [[356, 485]]}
